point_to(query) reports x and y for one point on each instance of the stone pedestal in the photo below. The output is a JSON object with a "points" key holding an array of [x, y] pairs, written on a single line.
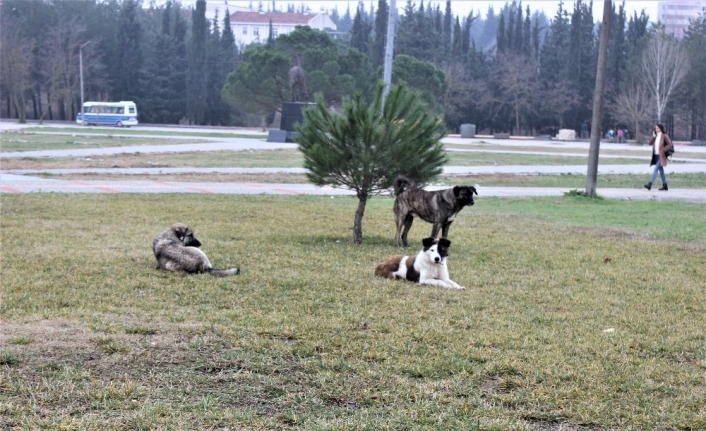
{"points": [[291, 115], [566, 135], [468, 130]]}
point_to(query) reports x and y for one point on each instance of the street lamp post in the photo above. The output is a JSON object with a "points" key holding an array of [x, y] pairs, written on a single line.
{"points": [[80, 65]]}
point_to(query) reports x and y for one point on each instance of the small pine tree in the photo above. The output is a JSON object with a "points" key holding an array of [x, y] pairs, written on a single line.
{"points": [[367, 146]]}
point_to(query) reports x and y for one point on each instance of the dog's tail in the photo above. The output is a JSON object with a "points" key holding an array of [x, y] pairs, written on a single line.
{"points": [[224, 272], [403, 183]]}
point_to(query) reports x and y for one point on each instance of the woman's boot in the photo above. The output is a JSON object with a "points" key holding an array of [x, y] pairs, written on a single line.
{"points": [[648, 186]]}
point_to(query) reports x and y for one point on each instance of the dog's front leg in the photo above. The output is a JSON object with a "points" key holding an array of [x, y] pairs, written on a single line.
{"points": [[435, 230], [453, 284], [445, 230], [436, 282]]}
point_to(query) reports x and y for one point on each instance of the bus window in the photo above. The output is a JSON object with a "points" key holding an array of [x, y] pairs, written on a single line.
{"points": [[120, 110], [131, 110]]}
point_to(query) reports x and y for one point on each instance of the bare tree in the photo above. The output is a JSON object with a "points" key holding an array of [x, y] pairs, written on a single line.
{"points": [[461, 92], [632, 106], [664, 66], [560, 98], [517, 79], [15, 66], [60, 56]]}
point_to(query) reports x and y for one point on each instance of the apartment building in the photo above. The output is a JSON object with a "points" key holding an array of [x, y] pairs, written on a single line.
{"points": [[249, 27], [675, 14]]}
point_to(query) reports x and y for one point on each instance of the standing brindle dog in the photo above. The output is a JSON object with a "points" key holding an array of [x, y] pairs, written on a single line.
{"points": [[439, 207]]}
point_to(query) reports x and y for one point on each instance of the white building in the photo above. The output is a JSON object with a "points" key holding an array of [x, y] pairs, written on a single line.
{"points": [[249, 27], [675, 14]]}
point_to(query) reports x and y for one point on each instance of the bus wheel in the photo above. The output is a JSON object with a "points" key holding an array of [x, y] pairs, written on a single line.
{"points": [[85, 122], [119, 124]]}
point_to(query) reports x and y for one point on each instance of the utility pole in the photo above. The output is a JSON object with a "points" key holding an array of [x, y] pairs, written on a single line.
{"points": [[389, 48], [598, 93], [80, 66]]}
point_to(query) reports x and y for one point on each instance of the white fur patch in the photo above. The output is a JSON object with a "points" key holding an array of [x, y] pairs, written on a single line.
{"points": [[432, 269], [401, 269]]}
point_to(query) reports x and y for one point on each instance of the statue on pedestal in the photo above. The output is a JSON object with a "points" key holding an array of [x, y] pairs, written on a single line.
{"points": [[297, 81]]}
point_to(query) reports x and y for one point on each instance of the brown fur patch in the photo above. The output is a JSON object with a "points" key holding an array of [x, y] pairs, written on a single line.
{"points": [[389, 266]]}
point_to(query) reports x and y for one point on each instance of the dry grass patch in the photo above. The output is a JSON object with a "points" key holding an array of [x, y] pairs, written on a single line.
{"points": [[577, 316], [206, 159]]}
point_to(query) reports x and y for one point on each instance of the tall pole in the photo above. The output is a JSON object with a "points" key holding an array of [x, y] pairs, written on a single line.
{"points": [[80, 66], [389, 48], [598, 93]]}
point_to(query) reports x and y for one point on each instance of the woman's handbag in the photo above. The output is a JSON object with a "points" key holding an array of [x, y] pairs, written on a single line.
{"points": [[669, 152]]}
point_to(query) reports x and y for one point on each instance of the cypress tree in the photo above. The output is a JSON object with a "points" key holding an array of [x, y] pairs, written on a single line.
{"points": [[527, 34], [447, 31], [360, 32], [519, 40], [129, 53], [501, 42], [196, 85], [378, 49]]}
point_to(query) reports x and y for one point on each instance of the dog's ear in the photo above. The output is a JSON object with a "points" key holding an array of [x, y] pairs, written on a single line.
{"points": [[428, 242], [473, 190], [443, 242], [181, 230], [457, 191]]}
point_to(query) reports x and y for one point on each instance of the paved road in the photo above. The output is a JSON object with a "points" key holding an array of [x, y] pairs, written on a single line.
{"points": [[13, 182], [10, 183]]}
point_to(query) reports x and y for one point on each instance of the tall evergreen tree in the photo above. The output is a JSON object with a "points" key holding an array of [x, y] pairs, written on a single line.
{"points": [[519, 35], [527, 34], [377, 56], [501, 43], [694, 91], [129, 53], [447, 31], [360, 32], [197, 77]]}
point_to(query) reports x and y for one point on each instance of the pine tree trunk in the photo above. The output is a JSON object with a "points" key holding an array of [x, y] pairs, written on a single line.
{"points": [[358, 220]]}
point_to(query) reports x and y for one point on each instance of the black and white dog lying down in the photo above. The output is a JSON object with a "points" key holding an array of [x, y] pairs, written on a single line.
{"points": [[427, 267]]}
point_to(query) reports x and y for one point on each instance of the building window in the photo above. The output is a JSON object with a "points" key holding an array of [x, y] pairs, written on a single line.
{"points": [[245, 30], [256, 31]]}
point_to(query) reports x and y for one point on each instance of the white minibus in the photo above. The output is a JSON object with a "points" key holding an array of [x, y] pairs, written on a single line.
{"points": [[120, 114]]}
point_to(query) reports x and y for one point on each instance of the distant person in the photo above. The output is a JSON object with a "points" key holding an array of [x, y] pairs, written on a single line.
{"points": [[660, 143], [584, 130], [621, 136]]}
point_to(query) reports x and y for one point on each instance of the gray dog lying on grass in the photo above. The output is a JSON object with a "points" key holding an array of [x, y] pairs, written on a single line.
{"points": [[176, 249]]}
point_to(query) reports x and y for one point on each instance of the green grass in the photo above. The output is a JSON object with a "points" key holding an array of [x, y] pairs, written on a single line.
{"points": [[21, 141], [137, 131], [695, 180], [578, 314]]}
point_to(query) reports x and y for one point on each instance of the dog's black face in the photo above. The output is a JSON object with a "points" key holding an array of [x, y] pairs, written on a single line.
{"points": [[464, 194], [186, 235]]}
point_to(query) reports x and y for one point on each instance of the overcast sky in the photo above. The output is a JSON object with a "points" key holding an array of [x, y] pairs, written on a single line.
{"points": [[463, 7]]}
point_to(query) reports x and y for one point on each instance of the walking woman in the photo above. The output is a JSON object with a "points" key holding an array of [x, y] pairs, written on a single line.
{"points": [[660, 143]]}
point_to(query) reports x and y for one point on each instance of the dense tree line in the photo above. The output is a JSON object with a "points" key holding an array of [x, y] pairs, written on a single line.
{"points": [[511, 70]]}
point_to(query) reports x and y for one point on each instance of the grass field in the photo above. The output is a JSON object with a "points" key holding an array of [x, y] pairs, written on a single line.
{"points": [[137, 132], [14, 141], [578, 315]]}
